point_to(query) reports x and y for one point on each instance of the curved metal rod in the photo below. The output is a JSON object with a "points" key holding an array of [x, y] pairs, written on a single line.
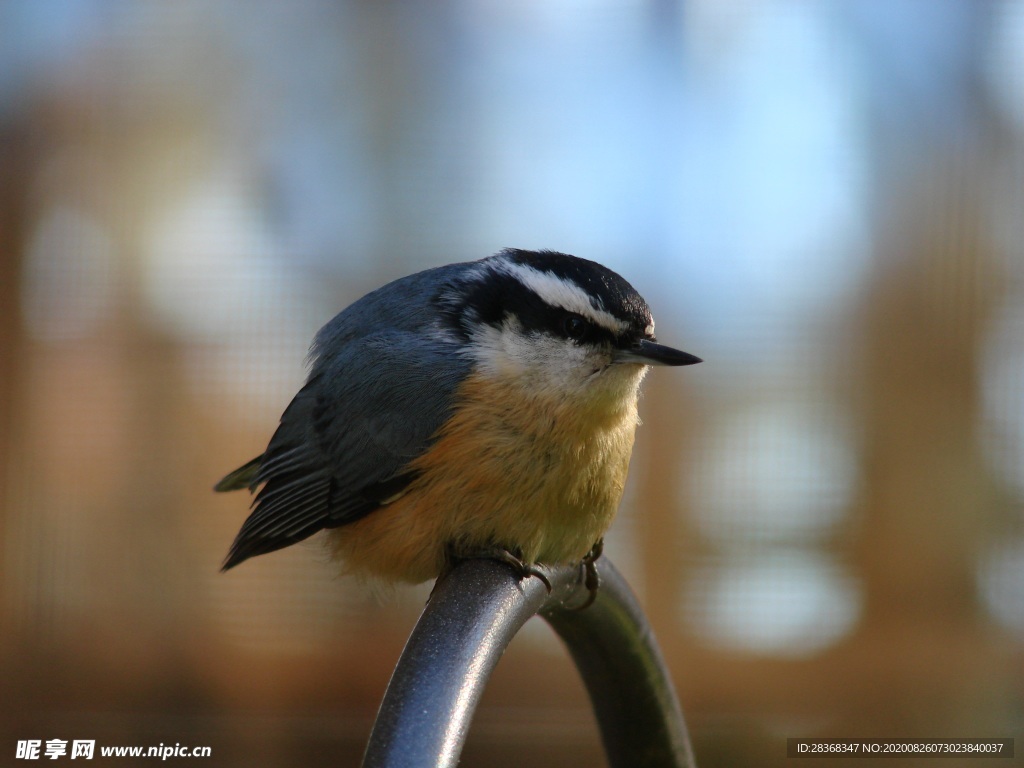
{"points": [[471, 617]]}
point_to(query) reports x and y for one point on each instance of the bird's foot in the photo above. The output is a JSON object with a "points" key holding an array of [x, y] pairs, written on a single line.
{"points": [[502, 555], [522, 569], [591, 578]]}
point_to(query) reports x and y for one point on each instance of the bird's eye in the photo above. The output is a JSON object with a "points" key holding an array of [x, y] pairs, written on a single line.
{"points": [[575, 327]]}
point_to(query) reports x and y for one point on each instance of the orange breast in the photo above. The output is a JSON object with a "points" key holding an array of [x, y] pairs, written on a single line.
{"points": [[543, 476]]}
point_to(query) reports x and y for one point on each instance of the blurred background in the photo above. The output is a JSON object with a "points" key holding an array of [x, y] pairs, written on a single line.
{"points": [[824, 199]]}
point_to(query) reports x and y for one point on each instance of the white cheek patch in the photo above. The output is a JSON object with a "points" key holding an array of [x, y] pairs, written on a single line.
{"points": [[563, 293], [508, 352], [498, 352]]}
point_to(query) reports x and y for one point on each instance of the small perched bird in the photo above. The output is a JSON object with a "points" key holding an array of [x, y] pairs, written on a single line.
{"points": [[478, 409]]}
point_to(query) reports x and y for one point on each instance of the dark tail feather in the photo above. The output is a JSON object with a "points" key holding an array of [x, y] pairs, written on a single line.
{"points": [[245, 547], [241, 478]]}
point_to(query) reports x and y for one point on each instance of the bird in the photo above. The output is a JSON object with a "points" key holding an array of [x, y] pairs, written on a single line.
{"points": [[479, 409]]}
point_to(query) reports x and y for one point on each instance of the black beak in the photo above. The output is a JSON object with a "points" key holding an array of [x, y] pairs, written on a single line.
{"points": [[648, 352]]}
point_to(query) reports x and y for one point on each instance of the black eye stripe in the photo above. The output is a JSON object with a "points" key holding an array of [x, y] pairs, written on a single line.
{"points": [[499, 296], [572, 326], [575, 327], [612, 292]]}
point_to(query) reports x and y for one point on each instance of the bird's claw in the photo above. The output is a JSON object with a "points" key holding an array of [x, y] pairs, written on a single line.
{"points": [[502, 555], [522, 569], [591, 578]]}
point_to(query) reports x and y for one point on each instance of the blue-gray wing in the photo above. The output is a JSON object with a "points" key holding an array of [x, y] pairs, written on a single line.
{"points": [[371, 405]]}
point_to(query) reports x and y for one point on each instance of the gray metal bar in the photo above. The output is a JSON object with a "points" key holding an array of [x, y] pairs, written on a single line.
{"points": [[468, 622], [630, 687]]}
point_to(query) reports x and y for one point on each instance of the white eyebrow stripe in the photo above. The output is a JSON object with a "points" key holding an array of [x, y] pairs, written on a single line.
{"points": [[563, 293]]}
